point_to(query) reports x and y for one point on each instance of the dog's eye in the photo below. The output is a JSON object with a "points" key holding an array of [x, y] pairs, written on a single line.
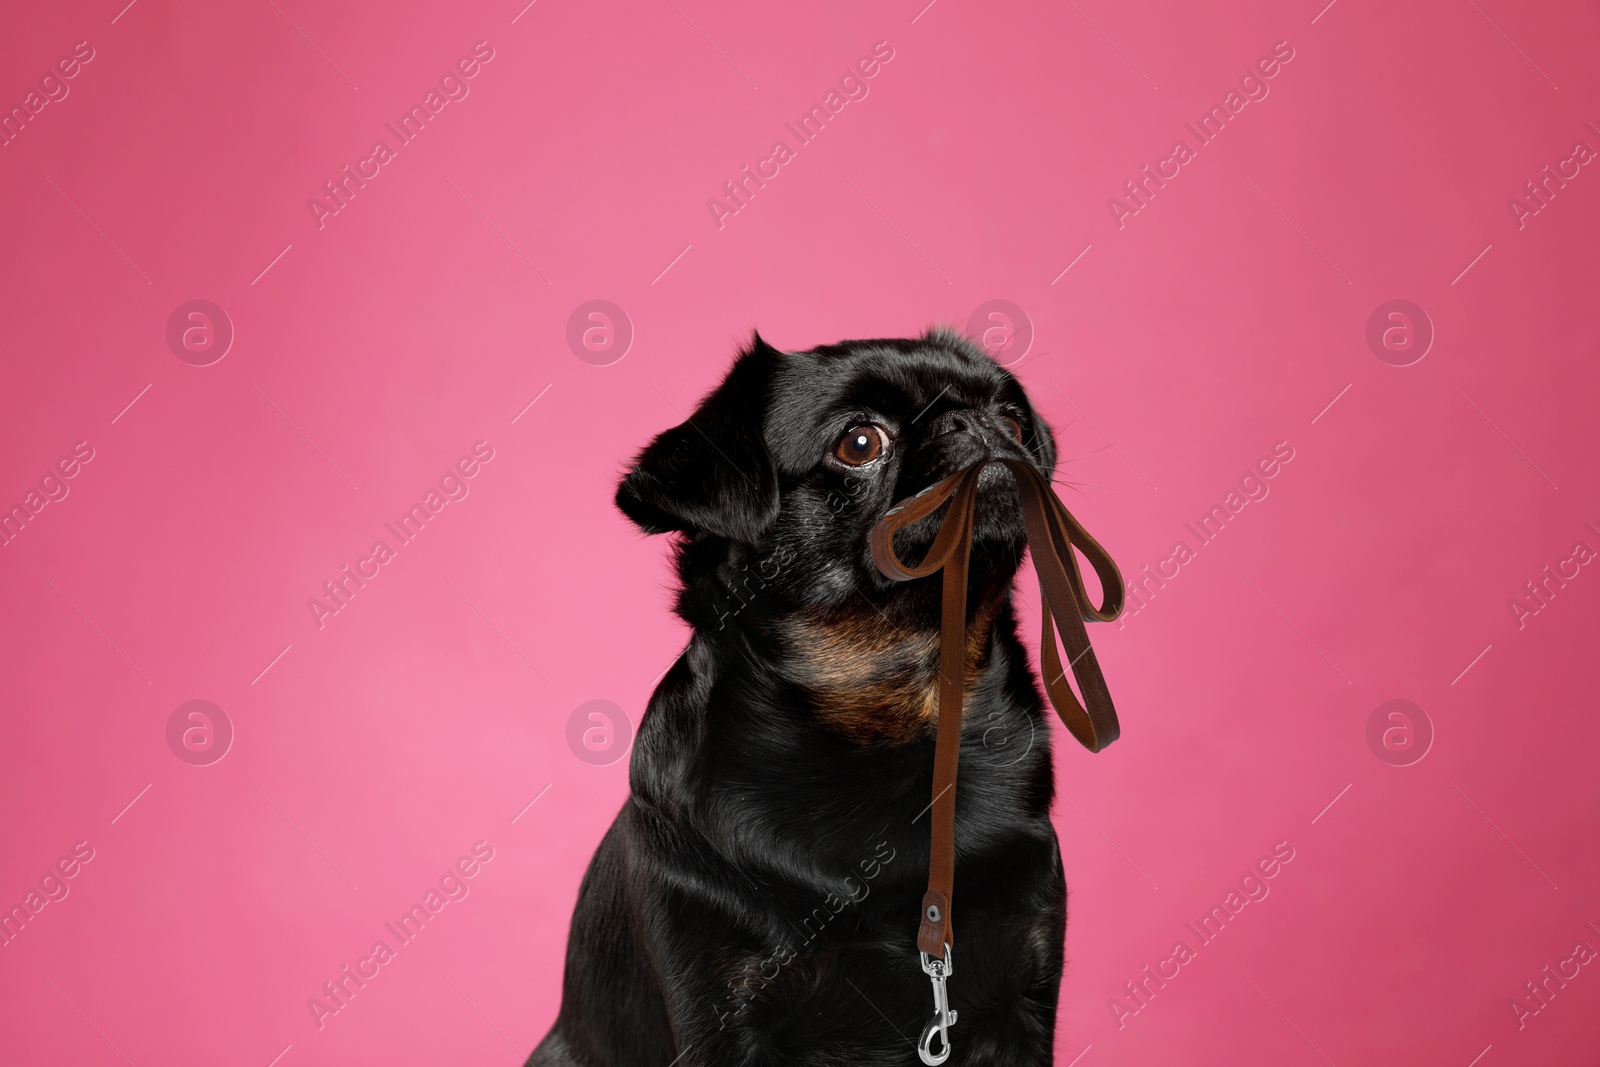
{"points": [[1013, 427], [860, 445]]}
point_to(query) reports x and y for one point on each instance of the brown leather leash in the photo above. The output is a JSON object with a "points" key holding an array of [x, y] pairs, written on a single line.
{"points": [[1053, 534]]}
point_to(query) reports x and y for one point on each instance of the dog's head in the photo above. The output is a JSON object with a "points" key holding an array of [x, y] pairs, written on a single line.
{"points": [[780, 474], [796, 455]]}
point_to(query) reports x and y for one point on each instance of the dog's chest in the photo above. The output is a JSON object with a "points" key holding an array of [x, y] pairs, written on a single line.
{"points": [[870, 681], [842, 982]]}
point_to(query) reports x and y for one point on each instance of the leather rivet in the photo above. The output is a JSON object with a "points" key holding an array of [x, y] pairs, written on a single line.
{"points": [[933, 913]]}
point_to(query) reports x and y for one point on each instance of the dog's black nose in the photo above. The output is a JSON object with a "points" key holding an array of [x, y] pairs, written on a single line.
{"points": [[961, 420], [979, 424], [962, 436]]}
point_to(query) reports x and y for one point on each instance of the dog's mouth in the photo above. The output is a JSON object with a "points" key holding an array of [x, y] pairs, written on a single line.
{"points": [[963, 438], [997, 516]]}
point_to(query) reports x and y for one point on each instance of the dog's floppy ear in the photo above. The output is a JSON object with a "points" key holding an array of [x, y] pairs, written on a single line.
{"points": [[712, 475]]}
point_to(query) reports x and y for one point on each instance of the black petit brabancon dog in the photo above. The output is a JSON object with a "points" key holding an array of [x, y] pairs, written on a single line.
{"points": [[756, 900]]}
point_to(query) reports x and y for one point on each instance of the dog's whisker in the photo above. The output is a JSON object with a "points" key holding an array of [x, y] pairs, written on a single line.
{"points": [[1075, 487], [1086, 455]]}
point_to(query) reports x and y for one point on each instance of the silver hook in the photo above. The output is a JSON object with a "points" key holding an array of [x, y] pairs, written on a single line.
{"points": [[943, 1018]]}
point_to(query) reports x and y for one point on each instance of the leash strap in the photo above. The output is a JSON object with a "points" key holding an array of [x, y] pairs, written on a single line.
{"points": [[1053, 534]]}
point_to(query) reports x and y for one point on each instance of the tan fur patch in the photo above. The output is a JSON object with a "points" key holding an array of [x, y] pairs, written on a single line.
{"points": [[873, 681]]}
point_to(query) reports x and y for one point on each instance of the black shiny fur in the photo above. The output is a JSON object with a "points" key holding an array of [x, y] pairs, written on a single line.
{"points": [[756, 900]]}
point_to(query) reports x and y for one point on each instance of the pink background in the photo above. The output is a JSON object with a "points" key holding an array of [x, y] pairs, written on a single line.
{"points": [[1222, 318]]}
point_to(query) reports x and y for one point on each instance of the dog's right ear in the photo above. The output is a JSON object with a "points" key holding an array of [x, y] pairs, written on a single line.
{"points": [[712, 475]]}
